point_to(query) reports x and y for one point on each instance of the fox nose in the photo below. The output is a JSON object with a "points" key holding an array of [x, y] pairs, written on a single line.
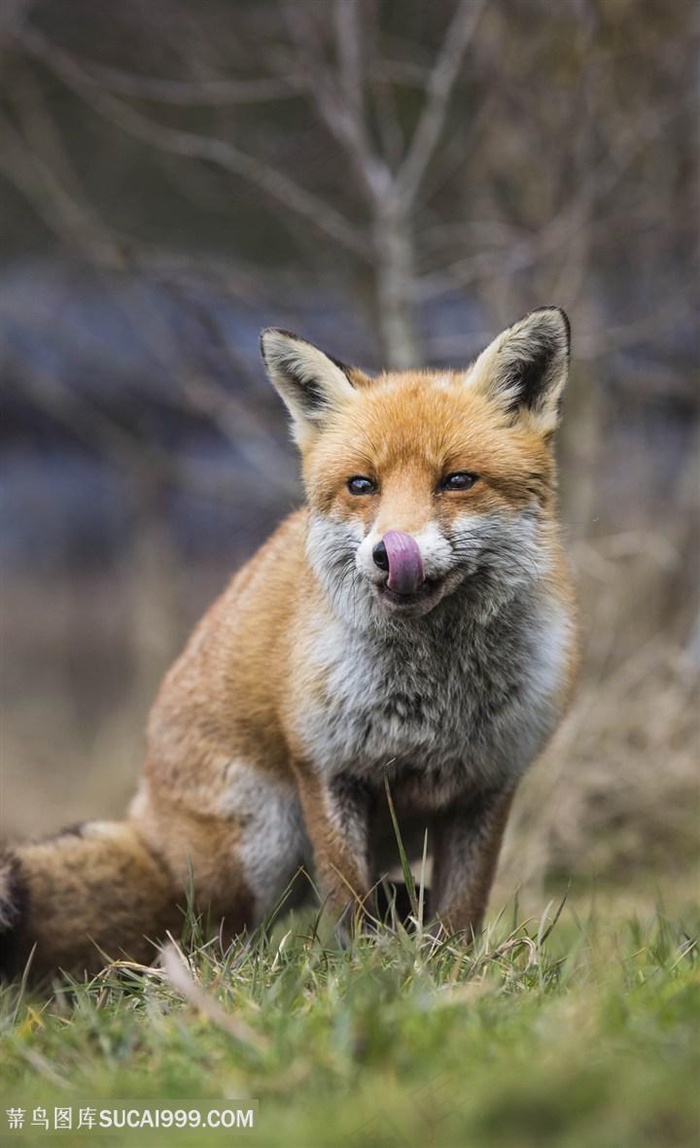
{"points": [[400, 555], [380, 556]]}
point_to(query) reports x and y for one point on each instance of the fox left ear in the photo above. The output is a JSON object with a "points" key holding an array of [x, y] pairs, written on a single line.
{"points": [[524, 370], [311, 383]]}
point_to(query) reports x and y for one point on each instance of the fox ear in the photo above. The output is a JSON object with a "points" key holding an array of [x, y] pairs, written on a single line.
{"points": [[525, 368], [310, 382]]}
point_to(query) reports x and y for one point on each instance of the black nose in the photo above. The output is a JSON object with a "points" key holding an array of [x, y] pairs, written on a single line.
{"points": [[380, 556]]}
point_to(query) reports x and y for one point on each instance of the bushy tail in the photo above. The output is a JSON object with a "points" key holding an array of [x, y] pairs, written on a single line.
{"points": [[92, 894]]}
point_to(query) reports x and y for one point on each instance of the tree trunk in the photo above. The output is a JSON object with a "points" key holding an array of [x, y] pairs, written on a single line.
{"points": [[395, 281]]}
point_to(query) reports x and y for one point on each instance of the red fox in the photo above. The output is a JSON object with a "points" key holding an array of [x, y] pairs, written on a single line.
{"points": [[412, 626]]}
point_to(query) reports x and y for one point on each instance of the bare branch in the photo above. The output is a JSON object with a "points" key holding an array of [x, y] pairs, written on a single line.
{"points": [[596, 344], [192, 146], [193, 94], [590, 344], [132, 455], [439, 90], [389, 124], [348, 40], [338, 99], [12, 13], [562, 229], [402, 73], [81, 415], [62, 209], [478, 267]]}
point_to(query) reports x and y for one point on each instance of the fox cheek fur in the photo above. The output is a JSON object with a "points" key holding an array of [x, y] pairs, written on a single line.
{"points": [[413, 623], [485, 558]]}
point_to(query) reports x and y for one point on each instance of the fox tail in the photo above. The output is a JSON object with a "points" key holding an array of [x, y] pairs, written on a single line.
{"points": [[94, 893]]}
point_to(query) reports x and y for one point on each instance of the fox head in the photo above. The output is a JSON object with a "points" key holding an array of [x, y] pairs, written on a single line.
{"points": [[427, 486]]}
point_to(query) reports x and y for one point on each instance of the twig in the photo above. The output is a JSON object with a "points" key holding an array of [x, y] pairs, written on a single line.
{"points": [[63, 211], [193, 146], [193, 94], [181, 979], [338, 98], [439, 90]]}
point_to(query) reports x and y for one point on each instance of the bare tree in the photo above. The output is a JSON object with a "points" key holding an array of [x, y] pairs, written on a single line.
{"points": [[337, 88], [412, 167]]}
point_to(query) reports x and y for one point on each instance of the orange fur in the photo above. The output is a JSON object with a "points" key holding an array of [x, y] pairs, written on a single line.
{"points": [[307, 684]]}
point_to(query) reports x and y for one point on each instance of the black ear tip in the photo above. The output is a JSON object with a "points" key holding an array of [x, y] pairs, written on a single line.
{"points": [[564, 319], [268, 333]]}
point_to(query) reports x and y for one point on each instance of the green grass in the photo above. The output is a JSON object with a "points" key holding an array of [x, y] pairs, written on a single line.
{"points": [[581, 1034]]}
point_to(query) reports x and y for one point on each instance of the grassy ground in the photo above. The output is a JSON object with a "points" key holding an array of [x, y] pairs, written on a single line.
{"points": [[575, 1031]]}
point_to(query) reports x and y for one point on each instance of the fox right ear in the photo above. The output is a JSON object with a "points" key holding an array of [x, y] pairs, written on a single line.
{"points": [[524, 370], [309, 381]]}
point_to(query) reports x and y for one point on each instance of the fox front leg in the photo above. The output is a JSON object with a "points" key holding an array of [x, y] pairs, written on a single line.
{"points": [[467, 843], [336, 814]]}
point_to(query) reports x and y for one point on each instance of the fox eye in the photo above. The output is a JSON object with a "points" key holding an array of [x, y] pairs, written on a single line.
{"points": [[460, 480], [361, 485]]}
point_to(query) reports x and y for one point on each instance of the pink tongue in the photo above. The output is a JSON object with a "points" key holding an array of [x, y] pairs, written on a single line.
{"points": [[406, 572]]}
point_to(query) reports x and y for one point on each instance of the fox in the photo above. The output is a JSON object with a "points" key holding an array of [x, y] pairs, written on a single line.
{"points": [[394, 657]]}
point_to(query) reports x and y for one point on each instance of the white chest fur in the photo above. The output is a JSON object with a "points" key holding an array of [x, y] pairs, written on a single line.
{"points": [[459, 702]]}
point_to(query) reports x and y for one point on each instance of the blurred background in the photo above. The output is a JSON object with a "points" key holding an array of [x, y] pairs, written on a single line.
{"points": [[397, 181]]}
